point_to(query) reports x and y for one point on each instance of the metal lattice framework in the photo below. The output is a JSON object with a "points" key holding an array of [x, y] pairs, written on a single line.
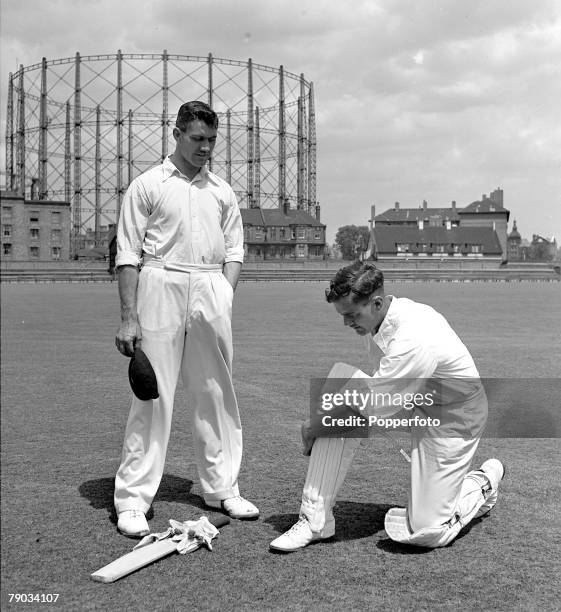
{"points": [[81, 128]]}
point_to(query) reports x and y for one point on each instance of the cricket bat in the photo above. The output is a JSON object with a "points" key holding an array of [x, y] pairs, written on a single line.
{"points": [[141, 557]]}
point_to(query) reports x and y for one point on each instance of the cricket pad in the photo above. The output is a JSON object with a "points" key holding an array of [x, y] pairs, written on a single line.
{"points": [[142, 377]]}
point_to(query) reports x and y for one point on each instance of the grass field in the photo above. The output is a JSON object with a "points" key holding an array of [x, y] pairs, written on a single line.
{"points": [[65, 399]]}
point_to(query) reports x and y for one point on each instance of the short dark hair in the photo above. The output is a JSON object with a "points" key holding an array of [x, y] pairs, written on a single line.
{"points": [[360, 279], [191, 111]]}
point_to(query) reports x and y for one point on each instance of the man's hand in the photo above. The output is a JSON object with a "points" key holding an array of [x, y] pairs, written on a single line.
{"points": [[308, 438], [128, 337]]}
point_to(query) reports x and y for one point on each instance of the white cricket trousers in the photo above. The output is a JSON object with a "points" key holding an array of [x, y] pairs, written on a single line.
{"points": [[185, 319], [442, 489]]}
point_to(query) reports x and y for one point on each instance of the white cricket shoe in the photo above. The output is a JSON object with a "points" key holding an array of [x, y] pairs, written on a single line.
{"points": [[133, 524], [237, 507], [300, 535], [495, 471]]}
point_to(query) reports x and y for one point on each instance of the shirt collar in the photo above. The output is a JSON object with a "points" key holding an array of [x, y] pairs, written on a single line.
{"points": [[170, 169], [387, 328]]}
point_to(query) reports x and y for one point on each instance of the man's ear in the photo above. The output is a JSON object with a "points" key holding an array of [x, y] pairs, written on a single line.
{"points": [[176, 132], [378, 302]]}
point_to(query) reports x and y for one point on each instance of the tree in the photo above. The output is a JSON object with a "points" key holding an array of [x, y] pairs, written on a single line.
{"points": [[352, 240]]}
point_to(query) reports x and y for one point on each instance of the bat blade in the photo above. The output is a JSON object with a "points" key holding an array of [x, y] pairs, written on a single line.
{"points": [[134, 560], [141, 557]]}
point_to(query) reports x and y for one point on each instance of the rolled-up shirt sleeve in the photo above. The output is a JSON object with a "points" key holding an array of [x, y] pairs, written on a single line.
{"points": [[232, 229], [133, 221]]}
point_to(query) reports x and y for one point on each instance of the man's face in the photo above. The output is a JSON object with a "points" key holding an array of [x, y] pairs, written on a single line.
{"points": [[195, 144], [364, 317]]}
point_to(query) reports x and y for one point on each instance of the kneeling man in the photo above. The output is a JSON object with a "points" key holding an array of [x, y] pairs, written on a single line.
{"points": [[418, 345]]}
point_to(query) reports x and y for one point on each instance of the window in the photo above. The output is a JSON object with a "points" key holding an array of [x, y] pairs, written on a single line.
{"points": [[402, 247], [55, 252], [34, 232], [7, 231], [301, 233], [293, 234], [55, 235], [34, 217], [258, 233], [7, 248], [300, 250], [440, 248], [55, 218], [317, 235], [476, 248], [7, 213], [282, 233], [34, 252]]}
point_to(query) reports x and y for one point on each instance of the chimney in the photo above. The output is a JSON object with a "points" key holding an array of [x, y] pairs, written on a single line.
{"points": [[318, 212], [483, 197], [372, 215], [421, 224], [453, 204], [286, 206], [425, 204], [397, 206], [497, 196]]}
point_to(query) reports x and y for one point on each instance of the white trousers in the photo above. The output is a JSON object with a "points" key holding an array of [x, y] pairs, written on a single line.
{"points": [[443, 492], [185, 319]]}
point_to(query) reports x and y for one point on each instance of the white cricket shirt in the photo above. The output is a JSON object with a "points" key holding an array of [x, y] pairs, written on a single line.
{"points": [[182, 221], [418, 342]]}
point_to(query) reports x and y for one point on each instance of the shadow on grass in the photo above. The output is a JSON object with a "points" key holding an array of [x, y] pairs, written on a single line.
{"points": [[353, 520], [172, 489]]}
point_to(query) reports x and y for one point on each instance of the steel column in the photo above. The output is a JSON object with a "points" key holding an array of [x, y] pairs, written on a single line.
{"points": [[130, 162], [165, 109], [282, 142], [312, 148], [229, 146], [67, 156], [77, 204], [250, 112], [10, 175], [119, 125], [97, 172], [43, 127], [20, 151], [257, 167]]}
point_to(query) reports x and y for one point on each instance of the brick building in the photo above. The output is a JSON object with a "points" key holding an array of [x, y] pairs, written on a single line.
{"points": [[275, 234], [34, 230], [478, 231]]}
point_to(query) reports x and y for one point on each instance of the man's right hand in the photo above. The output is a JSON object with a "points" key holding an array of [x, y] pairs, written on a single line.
{"points": [[128, 337], [308, 438]]}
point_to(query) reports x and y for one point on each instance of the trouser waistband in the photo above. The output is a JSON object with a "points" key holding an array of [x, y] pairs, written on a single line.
{"points": [[181, 267]]}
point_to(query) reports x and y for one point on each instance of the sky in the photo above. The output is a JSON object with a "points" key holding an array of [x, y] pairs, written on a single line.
{"points": [[435, 100]]}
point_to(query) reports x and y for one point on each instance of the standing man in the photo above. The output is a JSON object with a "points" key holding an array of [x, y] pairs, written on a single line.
{"points": [[417, 344], [179, 256]]}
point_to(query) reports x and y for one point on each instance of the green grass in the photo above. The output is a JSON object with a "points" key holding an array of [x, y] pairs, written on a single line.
{"points": [[65, 400]]}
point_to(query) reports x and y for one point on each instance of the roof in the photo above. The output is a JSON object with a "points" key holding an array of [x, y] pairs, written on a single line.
{"points": [[484, 206], [276, 217], [387, 236], [412, 215], [14, 195]]}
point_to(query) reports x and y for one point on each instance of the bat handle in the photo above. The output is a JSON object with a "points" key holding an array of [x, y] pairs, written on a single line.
{"points": [[220, 521]]}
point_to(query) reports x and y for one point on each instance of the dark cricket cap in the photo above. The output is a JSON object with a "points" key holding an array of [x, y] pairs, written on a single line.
{"points": [[142, 377]]}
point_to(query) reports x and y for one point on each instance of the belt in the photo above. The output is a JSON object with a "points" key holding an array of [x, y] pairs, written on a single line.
{"points": [[181, 267]]}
